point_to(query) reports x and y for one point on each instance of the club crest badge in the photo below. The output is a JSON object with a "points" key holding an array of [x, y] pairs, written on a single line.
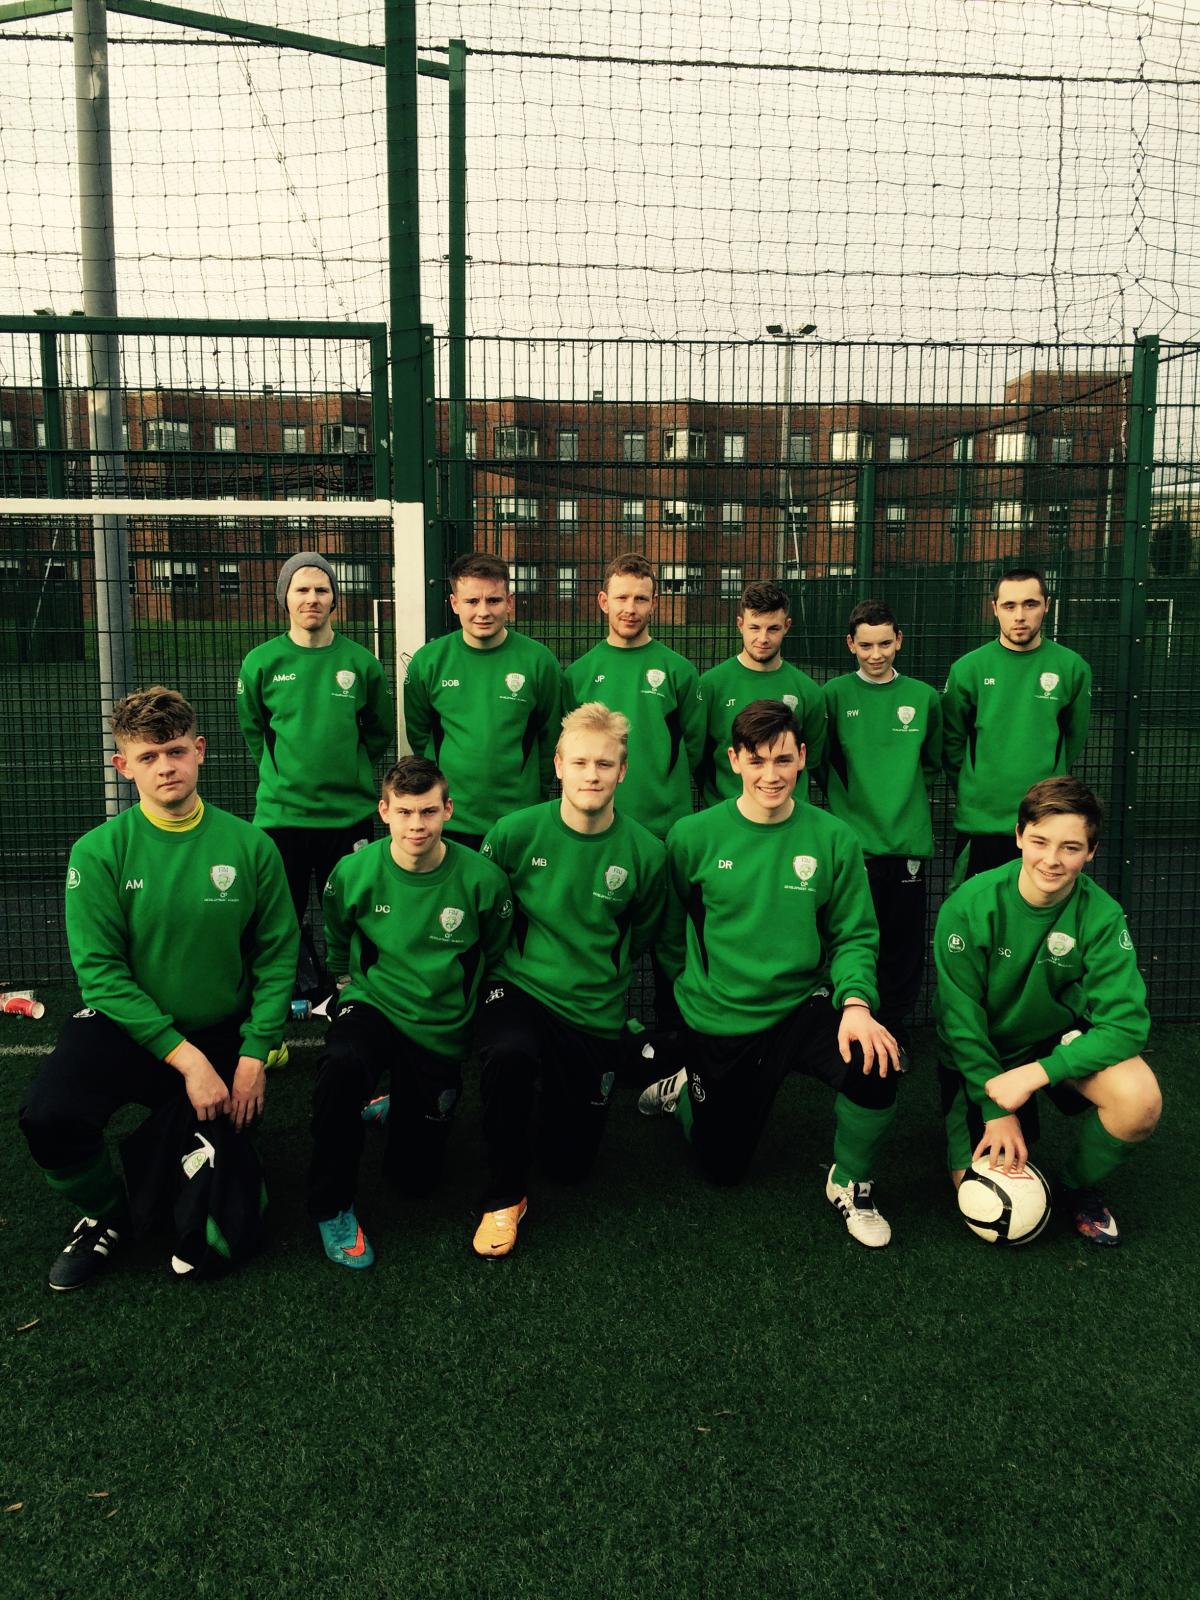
{"points": [[1060, 944], [73, 878], [515, 682], [223, 878], [614, 877], [804, 867], [790, 701], [345, 681], [906, 714], [450, 918], [656, 678], [1125, 941], [913, 865], [1049, 682], [956, 944]]}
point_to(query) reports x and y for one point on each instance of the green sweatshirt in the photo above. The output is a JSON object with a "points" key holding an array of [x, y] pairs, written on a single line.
{"points": [[884, 752], [170, 932], [1011, 975], [659, 691], [489, 718], [729, 688], [417, 944], [316, 721], [587, 905], [762, 915], [1011, 718]]}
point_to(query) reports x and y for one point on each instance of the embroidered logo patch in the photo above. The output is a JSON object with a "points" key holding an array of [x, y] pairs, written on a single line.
{"points": [[223, 878], [515, 682], [1059, 944], [614, 877], [450, 918], [804, 867]]}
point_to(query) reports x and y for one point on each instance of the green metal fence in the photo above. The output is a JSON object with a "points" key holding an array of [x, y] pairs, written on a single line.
{"points": [[914, 473]]}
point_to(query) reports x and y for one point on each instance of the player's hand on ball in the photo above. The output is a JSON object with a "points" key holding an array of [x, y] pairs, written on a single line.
{"points": [[1010, 1090], [249, 1085], [878, 1047], [1004, 1145]]}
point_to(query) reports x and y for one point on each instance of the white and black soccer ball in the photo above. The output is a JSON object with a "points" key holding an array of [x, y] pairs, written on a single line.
{"points": [[1001, 1207]]}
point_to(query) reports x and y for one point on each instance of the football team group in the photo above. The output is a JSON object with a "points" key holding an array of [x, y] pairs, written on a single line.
{"points": [[539, 841]]}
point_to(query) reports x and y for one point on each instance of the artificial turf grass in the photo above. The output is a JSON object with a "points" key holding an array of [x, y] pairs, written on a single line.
{"points": [[666, 1389]]}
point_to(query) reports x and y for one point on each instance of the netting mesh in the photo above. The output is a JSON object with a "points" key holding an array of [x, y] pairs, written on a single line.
{"points": [[1022, 169]]}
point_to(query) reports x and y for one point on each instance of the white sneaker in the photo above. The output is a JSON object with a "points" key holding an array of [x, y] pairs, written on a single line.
{"points": [[863, 1222], [661, 1098]]}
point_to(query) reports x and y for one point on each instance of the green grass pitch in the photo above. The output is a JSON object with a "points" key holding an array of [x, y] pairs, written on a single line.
{"points": [[667, 1391]]}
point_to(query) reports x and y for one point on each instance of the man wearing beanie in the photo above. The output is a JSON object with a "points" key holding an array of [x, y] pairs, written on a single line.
{"points": [[317, 715]]}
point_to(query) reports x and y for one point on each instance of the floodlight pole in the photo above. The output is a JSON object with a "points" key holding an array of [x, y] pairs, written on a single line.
{"points": [[102, 378]]}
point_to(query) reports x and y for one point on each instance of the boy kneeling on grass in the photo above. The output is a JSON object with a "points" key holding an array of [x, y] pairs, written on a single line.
{"points": [[412, 922], [184, 942], [1038, 989], [770, 934]]}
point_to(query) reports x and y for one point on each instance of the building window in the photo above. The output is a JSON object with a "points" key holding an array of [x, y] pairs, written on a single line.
{"points": [[568, 515], [39, 435], [682, 513], [174, 577], [353, 577], [229, 577], [224, 436], [510, 443], [1060, 447], [792, 572], [342, 439], [964, 447], [898, 447], [525, 577], [633, 513], [853, 446], [960, 522], [733, 447], [516, 508], [568, 583], [800, 448], [293, 441], [633, 446], [895, 519], [8, 433], [731, 583], [842, 513], [683, 444], [1007, 515], [675, 578], [159, 434], [568, 444], [470, 443], [733, 517], [1058, 519], [1015, 447], [796, 519]]}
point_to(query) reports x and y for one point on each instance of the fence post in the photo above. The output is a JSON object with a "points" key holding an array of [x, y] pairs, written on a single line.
{"points": [[52, 415], [1131, 631], [456, 286], [864, 533], [435, 526]]}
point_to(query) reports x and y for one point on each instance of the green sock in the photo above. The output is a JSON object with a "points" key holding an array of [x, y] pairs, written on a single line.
{"points": [[1097, 1154], [857, 1139], [683, 1112], [94, 1188]]}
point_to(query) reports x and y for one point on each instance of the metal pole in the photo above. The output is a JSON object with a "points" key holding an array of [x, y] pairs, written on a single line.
{"points": [[864, 542], [416, 589], [1131, 632], [102, 379], [785, 465], [459, 497]]}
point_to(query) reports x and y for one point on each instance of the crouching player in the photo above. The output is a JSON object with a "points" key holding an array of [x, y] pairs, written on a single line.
{"points": [[589, 888], [184, 942], [771, 936], [411, 923], [1038, 989]]}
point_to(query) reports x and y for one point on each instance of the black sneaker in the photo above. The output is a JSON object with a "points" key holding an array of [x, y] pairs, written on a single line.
{"points": [[84, 1255], [1092, 1218]]}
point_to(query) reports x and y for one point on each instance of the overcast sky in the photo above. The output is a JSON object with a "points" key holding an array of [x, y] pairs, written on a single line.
{"points": [[916, 169]]}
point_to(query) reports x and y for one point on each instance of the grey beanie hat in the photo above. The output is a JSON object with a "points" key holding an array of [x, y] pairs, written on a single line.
{"points": [[289, 569]]}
